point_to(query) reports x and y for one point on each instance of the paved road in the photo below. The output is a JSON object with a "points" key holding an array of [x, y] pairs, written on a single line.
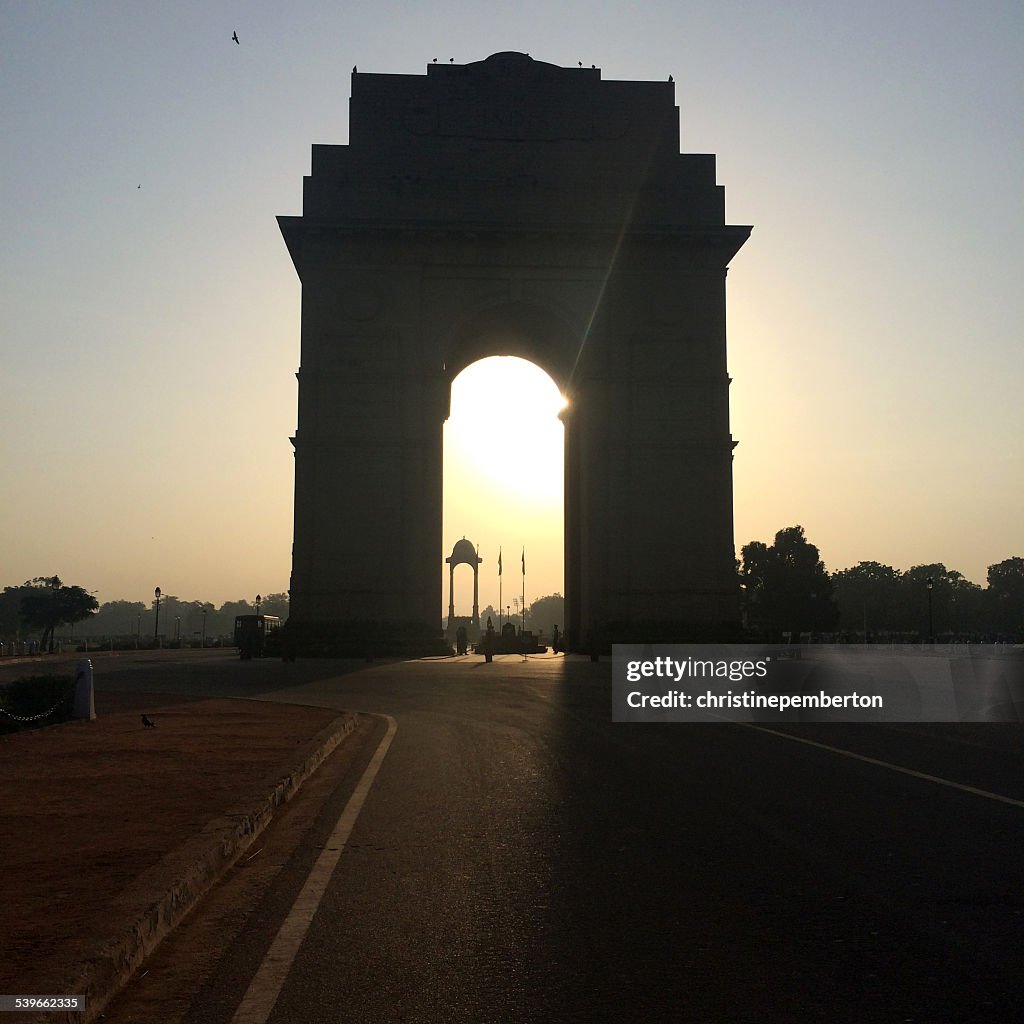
{"points": [[522, 858]]}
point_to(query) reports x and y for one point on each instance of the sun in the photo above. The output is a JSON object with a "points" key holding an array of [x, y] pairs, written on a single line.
{"points": [[504, 427]]}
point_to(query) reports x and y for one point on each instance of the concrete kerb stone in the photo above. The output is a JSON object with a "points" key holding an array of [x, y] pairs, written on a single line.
{"points": [[183, 876]]}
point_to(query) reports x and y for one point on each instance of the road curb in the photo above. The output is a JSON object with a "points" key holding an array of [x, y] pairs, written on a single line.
{"points": [[185, 874]]}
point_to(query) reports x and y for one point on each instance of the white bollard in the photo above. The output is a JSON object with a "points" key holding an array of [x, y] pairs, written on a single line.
{"points": [[84, 705]]}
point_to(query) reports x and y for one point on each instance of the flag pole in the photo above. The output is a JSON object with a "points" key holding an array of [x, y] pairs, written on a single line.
{"points": [[524, 590]]}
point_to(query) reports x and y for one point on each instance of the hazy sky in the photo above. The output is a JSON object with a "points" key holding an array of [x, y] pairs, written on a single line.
{"points": [[150, 334]]}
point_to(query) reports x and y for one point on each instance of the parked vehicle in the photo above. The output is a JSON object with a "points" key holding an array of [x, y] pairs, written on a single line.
{"points": [[255, 635]]}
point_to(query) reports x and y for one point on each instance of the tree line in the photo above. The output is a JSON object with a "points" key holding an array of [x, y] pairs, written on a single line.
{"points": [[45, 607], [785, 588], [541, 616]]}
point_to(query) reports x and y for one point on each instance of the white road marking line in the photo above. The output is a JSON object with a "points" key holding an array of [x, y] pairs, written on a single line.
{"points": [[266, 986], [892, 767]]}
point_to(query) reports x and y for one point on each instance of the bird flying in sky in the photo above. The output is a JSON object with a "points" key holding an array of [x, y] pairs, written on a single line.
{"points": [[234, 36]]}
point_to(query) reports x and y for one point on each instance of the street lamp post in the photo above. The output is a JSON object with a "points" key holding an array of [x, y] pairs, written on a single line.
{"points": [[259, 601], [55, 588], [156, 628], [929, 583], [202, 642]]}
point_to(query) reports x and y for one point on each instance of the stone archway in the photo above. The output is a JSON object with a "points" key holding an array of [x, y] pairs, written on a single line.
{"points": [[513, 207]]}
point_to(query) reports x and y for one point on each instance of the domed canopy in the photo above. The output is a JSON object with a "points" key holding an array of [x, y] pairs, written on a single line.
{"points": [[464, 552]]}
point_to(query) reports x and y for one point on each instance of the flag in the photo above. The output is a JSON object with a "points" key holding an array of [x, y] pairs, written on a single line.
{"points": [[499, 561], [524, 561]]}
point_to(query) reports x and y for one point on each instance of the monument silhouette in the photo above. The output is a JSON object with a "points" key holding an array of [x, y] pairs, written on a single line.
{"points": [[513, 207]]}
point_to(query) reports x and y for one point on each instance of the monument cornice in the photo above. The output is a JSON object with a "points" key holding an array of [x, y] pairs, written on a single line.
{"points": [[723, 241], [699, 234]]}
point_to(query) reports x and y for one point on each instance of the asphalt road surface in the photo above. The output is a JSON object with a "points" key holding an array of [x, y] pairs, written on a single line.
{"points": [[521, 858]]}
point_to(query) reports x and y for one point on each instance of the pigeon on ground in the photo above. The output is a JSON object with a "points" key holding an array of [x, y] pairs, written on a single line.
{"points": [[148, 722]]}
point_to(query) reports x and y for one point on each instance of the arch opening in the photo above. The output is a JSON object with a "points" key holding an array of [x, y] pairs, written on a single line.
{"points": [[529, 331], [503, 486]]}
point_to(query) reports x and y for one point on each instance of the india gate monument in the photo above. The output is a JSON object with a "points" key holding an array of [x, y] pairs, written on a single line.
{"points": [[513, 207]]}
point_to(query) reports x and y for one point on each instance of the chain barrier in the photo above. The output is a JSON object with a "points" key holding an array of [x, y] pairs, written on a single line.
{"points": [[31, 718]]}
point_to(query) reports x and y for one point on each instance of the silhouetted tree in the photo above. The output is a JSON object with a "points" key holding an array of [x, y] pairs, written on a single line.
{"points": [[200, 619], [868, 596], [47, 603], [229, 610], [1005, 598], [956, 602], [546, 612], [118, 618], [275, 604], [10, 612], [785, 586], [756, 573]]}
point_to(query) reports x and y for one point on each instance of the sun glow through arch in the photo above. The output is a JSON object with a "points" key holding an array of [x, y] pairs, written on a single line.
{"points": [[504, 479]]}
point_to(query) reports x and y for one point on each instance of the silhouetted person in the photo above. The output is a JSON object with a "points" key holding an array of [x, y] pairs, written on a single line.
{"points": [[460, 639], [148, 722]]}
